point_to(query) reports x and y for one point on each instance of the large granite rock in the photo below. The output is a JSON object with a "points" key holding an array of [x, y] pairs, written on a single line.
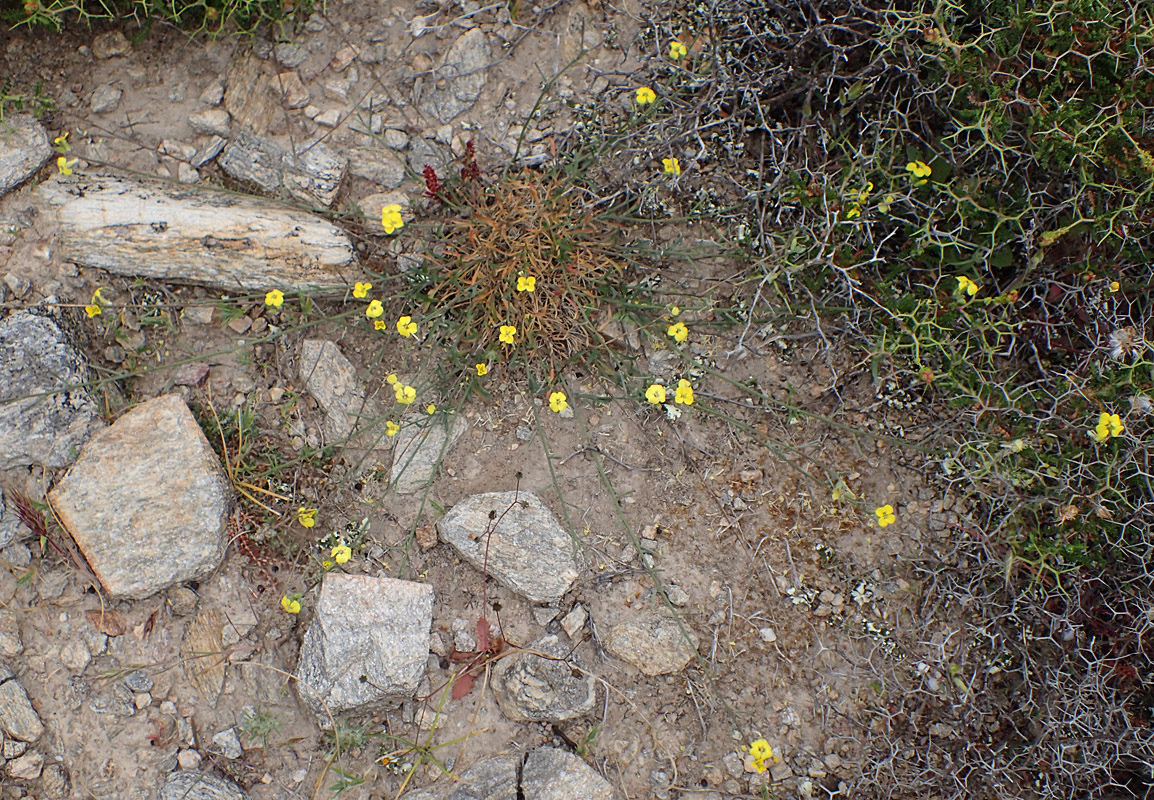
{"points": [[147, 501], [543, 688], [46, 413], [24, 149]]}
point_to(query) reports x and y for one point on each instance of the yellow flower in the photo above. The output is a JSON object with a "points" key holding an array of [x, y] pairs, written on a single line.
{"points": [[361, 290], [885, 515], [645, 95], [678, 332], [507, 333], [307, 516], [291, 603], [854, 211], [677, 50], [405, 394], [967, 286], [482, 369], [671, 166], [391, 218], [557, 402], [526, 283], [406, 327], [1108, 425], [374, 309], [431, 408], [65, 165], [761, 752], [274, 299], [919, 169], [655, 394], [1114, 286], [379, 325], [391, 428], [684, 393], [341, 553]]}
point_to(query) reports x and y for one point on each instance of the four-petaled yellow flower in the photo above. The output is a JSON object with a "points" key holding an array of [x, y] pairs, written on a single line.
{"points": [[671, 166], [361, 290], [557, 402], [341, 553], [678, 332], [677, 50], [482, 369], [1108, 425], [391, 428], [274, 299], [391, 218], [761, 752], [65, 165], [291, 603], [507, 333], [307, 516], [526, 283], [885, 515], [374, 309], [645, 95], [379, 325], [919, 169], [655, 394], [967, 286], [431, 408], [404, 393], [684, 393], [406, 327]]}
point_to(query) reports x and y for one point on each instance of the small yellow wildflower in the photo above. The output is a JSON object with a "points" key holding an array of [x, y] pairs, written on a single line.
{"points": [[967, 286], [374, 309], [391, 428], [391, 218], [1114, 286], [341, 553], [677, 50], [361, 290], [678, 332], [885, 515], [379, 325], [274, 299], [919, 169], [557, 402], [406, 327], [645, 95], [482, 369], [671, 166], [307, 516], [65, 164], [526, 283], [761, 752], [507, 333], [854, 212], [431, 408], [291, 603], [655, 394], [404, 393], [1108, 425]]}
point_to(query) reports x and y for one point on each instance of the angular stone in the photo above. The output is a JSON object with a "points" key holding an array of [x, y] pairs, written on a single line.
{"points": [[528, 550], [420, 448], [460, 78], [552, 774], [530, 688], [24, 150], [194, 235], [313, 174], [46, 414], [211, 122], [147, 501], [18, 718], [106, 98], [351, 419], [491, 779], [380, 165], [367, 645], [653, 642], [192, 785], [107, 45]]}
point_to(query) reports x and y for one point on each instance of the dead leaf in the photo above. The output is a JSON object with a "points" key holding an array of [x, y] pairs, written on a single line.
{"points": [[107, 621], [202, 651]]}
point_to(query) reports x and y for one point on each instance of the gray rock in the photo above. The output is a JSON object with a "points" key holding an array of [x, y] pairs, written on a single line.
{"points": [[46, 414], [528, 550], [107, 45], [491, 779], [106, 98], [27, 767], [420, 447], [229, 743], [551, 774], [653, 642], [24, 150], [312, 174], [211, 122], [460, 78], [380, 165], [191, 785], [147, 501], [12, 527], [351, 419], [18, 718], [367, 645], [530, 688]]}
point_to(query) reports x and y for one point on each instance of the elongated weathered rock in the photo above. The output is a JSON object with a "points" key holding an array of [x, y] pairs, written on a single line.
{"points": [[195, 235]]}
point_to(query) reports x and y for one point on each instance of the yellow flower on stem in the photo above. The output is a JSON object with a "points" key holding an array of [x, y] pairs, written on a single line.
{"points": [[374, 309], [885, 515], [391, 428], [404, 393], [274, 299], [291, 603], [507, 333], [677, 50], [655, 394], [671, 166], [526, 283], [65, 164], [341, 553], [1108, 425], [557, 402], [644, 96], [361, 290], [482, 369], [966, 286], [307, 516], [391, 218], [406, 327], [678, 332], [684, 393]]}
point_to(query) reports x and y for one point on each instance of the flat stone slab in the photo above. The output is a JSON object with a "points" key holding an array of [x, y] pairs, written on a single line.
{"points": [[46, 414], [18, 718], [653, 642], [367, 645], [147, 501], [195, 785], [351, 418], [491, 779], [530, 688], [24, 150], [420, 448], [195, 235], [528, 549], [313, 173], [552, 774]]}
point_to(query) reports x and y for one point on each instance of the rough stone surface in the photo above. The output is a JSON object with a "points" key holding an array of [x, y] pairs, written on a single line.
{"points": [[653, 642], [529, 551], [420, 447], [45, 414], [312, 174], [192, 785], [350, 417], [367, 645], [194, 235], [461, 77], [106, 98], [18, 719], [491, 779], [530, 688], [24, 149], [147, 501], [551, 774]]}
